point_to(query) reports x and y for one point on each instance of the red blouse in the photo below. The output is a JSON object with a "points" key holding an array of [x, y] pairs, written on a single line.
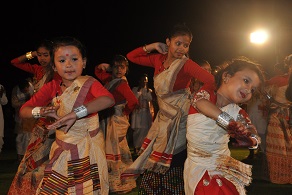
{"points": [[37, 70], [190, 69], [121, 93], [52, 89], [279, 81]]}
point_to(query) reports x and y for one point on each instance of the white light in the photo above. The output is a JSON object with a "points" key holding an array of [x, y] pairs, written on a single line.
{"points": [[259, 37]]}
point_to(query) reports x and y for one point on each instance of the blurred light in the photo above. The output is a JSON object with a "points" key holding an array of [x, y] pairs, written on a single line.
{"points": [[259, 37]]}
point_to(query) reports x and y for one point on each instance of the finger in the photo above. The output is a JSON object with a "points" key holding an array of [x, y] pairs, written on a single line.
{"points": [[66, 130]]}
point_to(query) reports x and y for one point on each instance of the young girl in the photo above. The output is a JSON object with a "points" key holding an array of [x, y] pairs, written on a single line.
{"points": [[209, 168], [31, 169], [77, 159], [43, 71], [164, 149], [116, 121]]}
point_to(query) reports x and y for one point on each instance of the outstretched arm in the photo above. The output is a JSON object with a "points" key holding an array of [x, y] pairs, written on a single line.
{"points": [[94, 106]]}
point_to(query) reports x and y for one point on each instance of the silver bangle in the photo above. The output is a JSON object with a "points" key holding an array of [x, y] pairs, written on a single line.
{"points": [[253, 136], [224, 119], [36, 112], [80, 111]]}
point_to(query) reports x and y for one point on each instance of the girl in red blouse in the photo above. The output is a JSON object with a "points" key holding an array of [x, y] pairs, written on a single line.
{"points": [[77, 162], [116, 121], [163, 152]]}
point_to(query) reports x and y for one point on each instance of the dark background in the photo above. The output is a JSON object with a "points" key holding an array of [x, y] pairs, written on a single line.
{"points": [[220, 27]]}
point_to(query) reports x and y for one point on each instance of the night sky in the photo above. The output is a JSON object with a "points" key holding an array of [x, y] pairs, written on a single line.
{"points": [[220, 28]]}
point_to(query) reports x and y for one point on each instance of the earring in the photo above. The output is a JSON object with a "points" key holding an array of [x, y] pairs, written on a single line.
{"points": [[225, 80]]}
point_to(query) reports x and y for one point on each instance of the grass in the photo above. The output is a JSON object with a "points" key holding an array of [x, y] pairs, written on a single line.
{"points": [[8, 167]]}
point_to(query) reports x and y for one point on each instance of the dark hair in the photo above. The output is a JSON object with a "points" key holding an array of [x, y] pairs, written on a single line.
{"points": [[46, 43], [68, 41], [238, 64], [23, 83], [119, 59], [180, 30]]}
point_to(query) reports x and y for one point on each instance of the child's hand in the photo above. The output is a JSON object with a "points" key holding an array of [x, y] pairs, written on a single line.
{"points": [[236, 128], [50, 111], [241, 133], [161, 47], [65, 122], [104, 66]]}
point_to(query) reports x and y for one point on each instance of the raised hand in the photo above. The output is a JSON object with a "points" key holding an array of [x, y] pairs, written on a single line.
{"points": [[161, 47]]}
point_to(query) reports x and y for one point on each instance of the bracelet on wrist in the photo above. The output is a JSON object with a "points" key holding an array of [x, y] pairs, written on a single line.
{"points": [[28, 55], [253, 136], [224, 119], [145, 49], [80, 111], [36, 112]]}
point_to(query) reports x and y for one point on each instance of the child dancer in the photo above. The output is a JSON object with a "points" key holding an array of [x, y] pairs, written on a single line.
{"points": [[77, 158], [209, 168]]}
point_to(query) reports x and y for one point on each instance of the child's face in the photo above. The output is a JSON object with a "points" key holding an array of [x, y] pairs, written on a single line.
{"points": [[178, 46], [240, 87], [43, 55], [68, 62], [119, 69]]}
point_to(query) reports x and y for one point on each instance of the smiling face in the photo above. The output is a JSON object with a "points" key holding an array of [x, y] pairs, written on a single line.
{"points": [[69, 63], [239, 87]]}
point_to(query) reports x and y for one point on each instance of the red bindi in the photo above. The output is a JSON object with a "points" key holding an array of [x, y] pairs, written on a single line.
{"points": [[67, 54]]}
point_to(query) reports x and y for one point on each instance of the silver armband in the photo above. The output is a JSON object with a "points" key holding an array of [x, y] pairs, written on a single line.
{"points": [[80, 111], [36, 112], [253, 136], [224, 119]]}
